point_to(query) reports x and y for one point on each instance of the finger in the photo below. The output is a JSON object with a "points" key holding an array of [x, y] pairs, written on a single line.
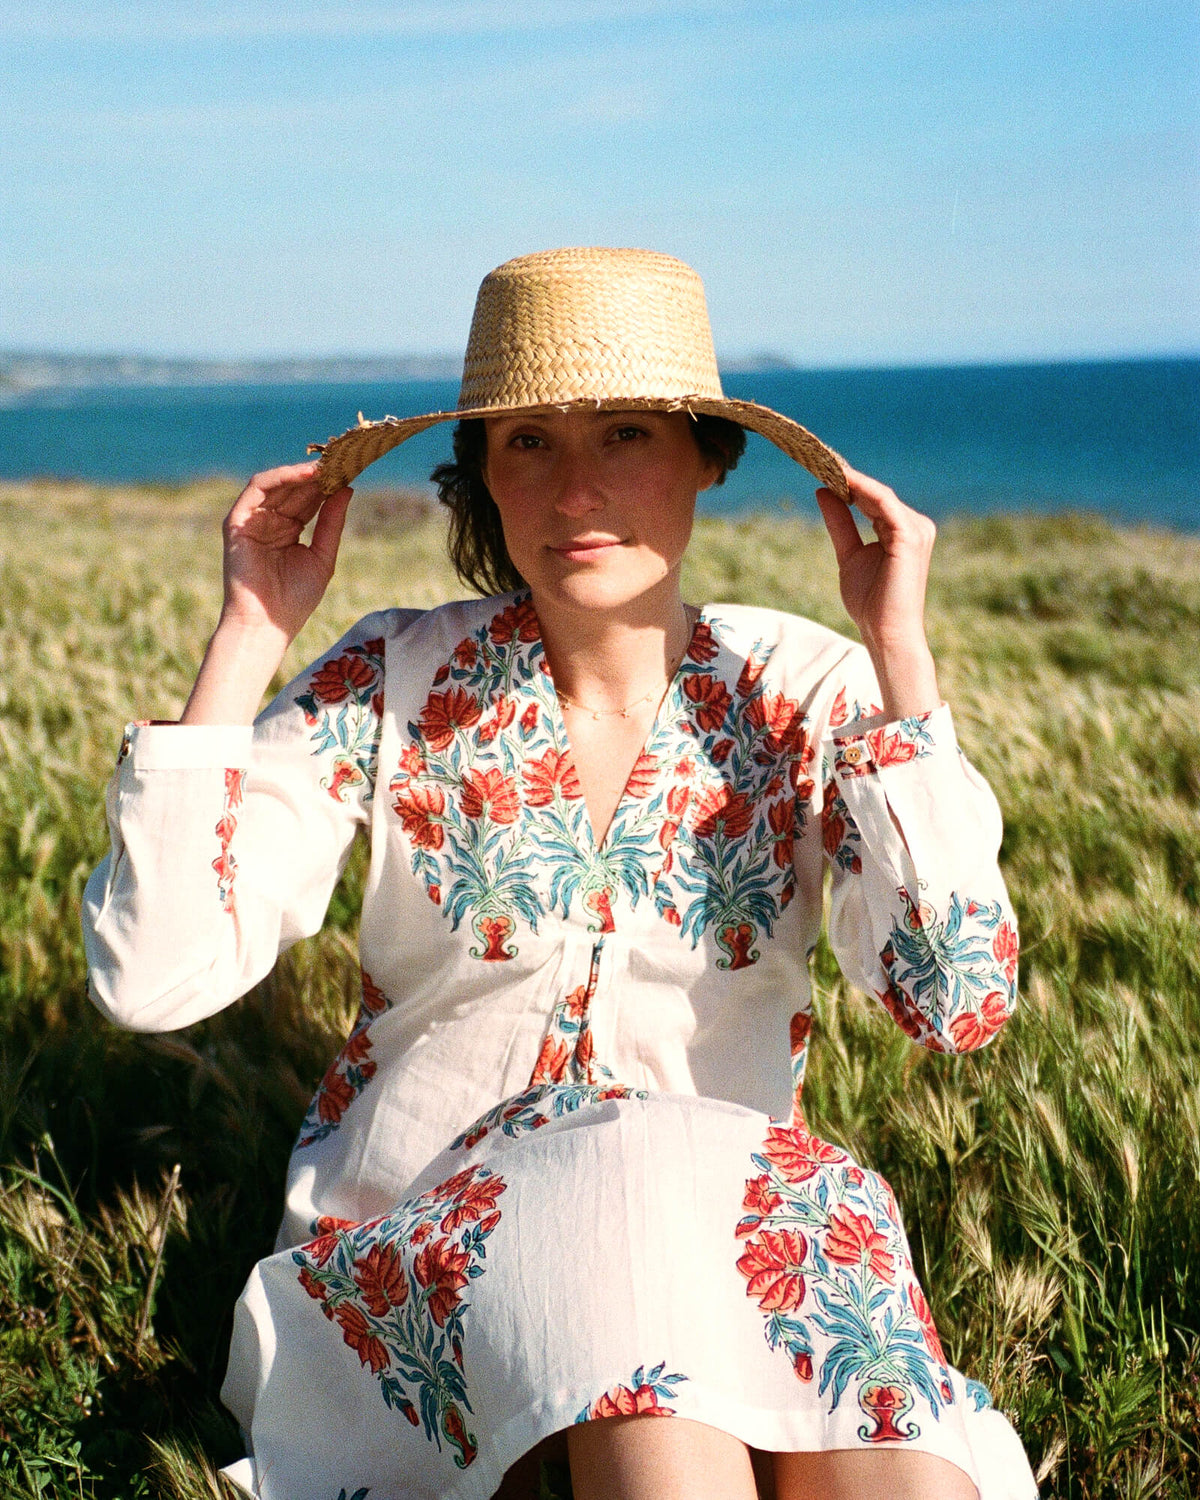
{"points": [[839, 522], [296, 499], [876, 500], [327, 533]]}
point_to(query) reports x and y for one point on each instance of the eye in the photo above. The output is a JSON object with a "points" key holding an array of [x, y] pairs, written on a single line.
{"points": [[628, 432], [526, 441]]}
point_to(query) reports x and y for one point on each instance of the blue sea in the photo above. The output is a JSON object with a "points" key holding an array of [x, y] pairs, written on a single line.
{"points": [[1121, 438]]}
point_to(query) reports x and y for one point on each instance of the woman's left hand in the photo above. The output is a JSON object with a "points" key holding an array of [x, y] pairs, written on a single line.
{"points": [[883, 588]]}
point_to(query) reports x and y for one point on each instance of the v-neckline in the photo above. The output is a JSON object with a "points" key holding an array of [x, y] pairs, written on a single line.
{"points": [[657, 723]]}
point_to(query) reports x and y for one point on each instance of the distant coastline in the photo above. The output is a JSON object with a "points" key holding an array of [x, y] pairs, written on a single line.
{"points": [[26, 371]]}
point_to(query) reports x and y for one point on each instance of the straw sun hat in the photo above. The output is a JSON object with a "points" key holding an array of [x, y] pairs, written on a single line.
{"points": [[586, 329]]}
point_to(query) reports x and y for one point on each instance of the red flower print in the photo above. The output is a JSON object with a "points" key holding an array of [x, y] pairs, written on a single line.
{"points": [[576, 1002], [499, 717], [749, 675], [722, 807], [529, 719], [760, 1199], [330, 1224], [466, 654], [677, 800], [358, 1046], [336, 680], [234, 781], [976, 1027], [703, 646], [599, 903], [622, 1401], [551, 1065], [515, 621], [412, 762], [442, 1268], [711, 697], [802, 1364], [782, 725], [684, 767], [642, 777], [314, 1288], [321, 1248], [554, 770], [441, 675], [838, 712], [357, 1333], [444, 713], [1006, 949], [476, 1198], [853, 1238], [335, 1095], [797, 1154], [925, 1318], [421, 1233], [833, 825], [781, 816], [420, 809], [801, 1025], [903, 1011], [381, 1279], [491, 792], [671, 914], [434, 892], [890, 749], [374, 1001], [772, 1266], [585, 1050]]}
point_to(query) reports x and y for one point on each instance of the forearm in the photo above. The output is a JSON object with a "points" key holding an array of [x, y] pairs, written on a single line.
{"points": [[237, 669], [907, 676]]}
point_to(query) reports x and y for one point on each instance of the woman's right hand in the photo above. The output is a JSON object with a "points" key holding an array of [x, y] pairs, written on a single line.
{"points": [[273, 582]]}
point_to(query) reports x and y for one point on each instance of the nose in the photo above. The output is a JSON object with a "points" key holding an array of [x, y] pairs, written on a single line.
{"points": [[577, 489]]}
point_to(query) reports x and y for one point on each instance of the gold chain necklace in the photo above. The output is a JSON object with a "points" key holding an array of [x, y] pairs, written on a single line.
{"points": [[615, 713], [623, 713]]}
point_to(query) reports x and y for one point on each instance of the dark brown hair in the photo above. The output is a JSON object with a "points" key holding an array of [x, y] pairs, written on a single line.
{"points": [[476, 539]]}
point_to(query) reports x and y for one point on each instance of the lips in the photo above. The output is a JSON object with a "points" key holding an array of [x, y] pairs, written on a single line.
{"points": [[587, 547]]}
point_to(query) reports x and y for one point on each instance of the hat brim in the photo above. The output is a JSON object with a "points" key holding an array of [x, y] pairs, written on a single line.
{"points": [[344, 458]]}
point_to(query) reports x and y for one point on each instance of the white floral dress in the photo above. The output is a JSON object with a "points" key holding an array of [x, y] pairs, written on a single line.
{"points": [[560, 1170]]}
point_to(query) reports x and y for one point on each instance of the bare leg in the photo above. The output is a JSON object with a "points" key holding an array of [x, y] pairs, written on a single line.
{"points": [[657, 1458], [870, 1474]]}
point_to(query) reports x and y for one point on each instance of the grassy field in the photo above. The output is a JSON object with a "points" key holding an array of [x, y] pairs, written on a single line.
{"points": [[1051, 1184]]}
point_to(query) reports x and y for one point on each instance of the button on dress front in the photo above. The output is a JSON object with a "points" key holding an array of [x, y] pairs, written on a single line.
{"points": [[560, 1170]]}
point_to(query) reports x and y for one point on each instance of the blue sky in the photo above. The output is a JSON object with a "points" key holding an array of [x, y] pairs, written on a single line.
{"points": [[858, 182]]}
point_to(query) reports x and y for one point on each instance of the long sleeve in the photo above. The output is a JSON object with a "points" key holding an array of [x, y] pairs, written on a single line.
{"points": [[227, 842], [919, 913]]}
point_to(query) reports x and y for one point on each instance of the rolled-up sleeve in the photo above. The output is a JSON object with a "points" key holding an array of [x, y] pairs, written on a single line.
{"points": [[919, 913]]}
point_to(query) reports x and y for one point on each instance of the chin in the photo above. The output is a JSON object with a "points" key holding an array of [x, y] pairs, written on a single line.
{"points": [[607, 588]]}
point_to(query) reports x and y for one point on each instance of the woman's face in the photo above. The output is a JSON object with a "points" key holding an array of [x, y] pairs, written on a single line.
{"points": [[596, 507]]}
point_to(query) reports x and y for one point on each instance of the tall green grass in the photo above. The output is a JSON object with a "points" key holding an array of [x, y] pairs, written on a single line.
{"points": [[1050, 1185]]}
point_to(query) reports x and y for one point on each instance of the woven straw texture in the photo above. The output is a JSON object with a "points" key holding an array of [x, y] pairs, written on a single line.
{"points": [[586, 329]]}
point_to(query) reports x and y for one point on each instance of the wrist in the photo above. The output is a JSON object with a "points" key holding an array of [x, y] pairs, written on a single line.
{"points": [[239, 663], [907, 676]]}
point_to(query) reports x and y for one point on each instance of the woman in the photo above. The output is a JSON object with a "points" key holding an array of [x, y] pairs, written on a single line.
{"points": [[559, 1178]]}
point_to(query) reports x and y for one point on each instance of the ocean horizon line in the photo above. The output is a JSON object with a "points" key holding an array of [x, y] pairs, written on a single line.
{"points": [[27, 371]]}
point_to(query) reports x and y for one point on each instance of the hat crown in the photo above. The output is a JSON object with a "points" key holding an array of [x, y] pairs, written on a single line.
{"points": [[589, 324]]}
